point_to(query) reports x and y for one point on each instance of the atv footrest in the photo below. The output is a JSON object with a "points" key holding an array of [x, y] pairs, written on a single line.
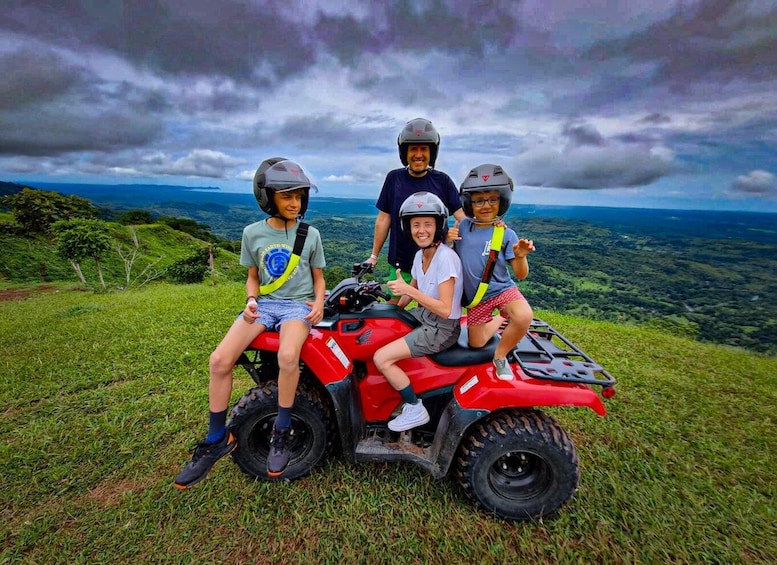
{"points": [[546, 354], [377, 447]]}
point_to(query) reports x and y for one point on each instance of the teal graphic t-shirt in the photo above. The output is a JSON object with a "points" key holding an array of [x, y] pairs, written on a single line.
{"points": [[269, 250]]}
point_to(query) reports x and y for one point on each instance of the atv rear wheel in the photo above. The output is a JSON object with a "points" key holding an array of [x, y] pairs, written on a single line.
{"points": [[252, 421], [518, 465]]}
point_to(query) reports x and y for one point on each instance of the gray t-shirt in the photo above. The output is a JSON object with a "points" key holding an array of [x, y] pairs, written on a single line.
{"points": [[269, 249], [473, 249]]}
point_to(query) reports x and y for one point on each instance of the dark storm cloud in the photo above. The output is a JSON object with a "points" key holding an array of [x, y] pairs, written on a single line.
{"points": [[255, 45], [258, 42], [702, 51], [233, 38], [261, 44], [200, 37], [450, 26], [583, 134], [501, 145], [31, 78], [327, 131], [656, 119], [588, 160], [715, 41], [48, 107], [60, 131]]}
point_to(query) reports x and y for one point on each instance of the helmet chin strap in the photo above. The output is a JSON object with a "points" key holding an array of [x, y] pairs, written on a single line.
{"points": [[412, 174], [436, 244], [285, 221], [488, 223]]}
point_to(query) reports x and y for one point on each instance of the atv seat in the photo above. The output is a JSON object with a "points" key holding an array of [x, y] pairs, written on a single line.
{"points": [[461, 353]]}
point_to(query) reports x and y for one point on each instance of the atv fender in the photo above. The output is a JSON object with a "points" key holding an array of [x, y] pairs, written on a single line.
{"points": [[484, 392], [474, 399], [453, 424], [323, 354]]}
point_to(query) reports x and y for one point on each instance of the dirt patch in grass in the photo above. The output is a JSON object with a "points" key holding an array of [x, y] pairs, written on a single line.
{"points": [[8, 294], [110, 492]]}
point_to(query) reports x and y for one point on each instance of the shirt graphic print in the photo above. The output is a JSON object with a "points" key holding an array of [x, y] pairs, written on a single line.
{"points": [[275, 258]]}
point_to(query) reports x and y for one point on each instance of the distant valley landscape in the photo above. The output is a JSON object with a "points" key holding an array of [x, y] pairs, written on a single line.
{"points": [[705, 274]]}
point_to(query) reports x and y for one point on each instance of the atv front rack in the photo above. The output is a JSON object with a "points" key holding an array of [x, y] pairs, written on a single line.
{"points": [[546, 354]]}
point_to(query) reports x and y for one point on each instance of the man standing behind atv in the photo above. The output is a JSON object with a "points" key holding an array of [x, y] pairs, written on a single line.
{"points": [[486, 194], [418, 144], [436, 286], [268, 250]]}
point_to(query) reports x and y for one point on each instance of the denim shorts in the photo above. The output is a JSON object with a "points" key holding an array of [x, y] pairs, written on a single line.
{"points": [[273, 313]]}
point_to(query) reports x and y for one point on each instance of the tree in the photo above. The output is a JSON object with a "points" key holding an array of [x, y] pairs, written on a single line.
{"points": [[135, 217], [192, 227], [37, 210], [190, 269], [333, 276], [129, 255], [78, 239]]}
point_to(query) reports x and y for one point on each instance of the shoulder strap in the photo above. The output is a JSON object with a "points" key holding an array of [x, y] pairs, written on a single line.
{"points": [[299, 243], [497, 237], [302, 233]]}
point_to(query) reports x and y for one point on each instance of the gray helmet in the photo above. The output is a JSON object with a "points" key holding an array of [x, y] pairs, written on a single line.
{"points": [[278, 174], [487, 178], [424, 204], [415, 132]]}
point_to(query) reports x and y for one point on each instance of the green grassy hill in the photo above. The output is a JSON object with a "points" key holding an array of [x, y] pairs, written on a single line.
{"points": [[35, 260], [104, 393]]}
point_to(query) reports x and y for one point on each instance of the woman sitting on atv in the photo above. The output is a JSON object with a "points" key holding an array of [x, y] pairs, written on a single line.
{"points": [[436, 286]]}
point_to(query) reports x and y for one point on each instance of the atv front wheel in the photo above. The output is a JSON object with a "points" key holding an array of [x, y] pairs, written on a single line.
{"points": [[518, 465], [252, 421]]}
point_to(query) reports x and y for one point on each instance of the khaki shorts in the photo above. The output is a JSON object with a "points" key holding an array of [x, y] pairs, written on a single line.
{"points": [[434, 335]]}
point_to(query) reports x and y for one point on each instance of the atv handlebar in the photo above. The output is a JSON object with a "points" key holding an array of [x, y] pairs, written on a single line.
{"points": [[360, 269], [353, 294], [372, 287]]}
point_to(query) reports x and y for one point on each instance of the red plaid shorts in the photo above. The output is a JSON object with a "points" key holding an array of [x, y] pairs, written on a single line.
{"points": [[484, 312]]}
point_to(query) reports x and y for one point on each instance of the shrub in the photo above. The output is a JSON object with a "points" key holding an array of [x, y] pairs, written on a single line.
{"points": [[191, 269]]}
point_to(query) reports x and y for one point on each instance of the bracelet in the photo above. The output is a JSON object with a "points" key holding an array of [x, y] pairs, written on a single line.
{"points": [[373, 256], [250, 298]]}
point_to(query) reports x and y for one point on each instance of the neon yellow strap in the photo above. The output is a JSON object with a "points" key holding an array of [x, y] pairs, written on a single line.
{"points": [[497, 236], [280, 281]]}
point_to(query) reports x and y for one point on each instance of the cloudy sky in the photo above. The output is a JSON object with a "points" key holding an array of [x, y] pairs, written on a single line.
{"points": [[604, 102]]}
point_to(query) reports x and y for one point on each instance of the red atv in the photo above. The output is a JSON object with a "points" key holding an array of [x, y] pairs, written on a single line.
{"points": [[511, 459]]}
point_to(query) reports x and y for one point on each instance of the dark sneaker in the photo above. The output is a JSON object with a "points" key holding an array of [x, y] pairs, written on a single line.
{"points": [[205, 455], [280, 451]]}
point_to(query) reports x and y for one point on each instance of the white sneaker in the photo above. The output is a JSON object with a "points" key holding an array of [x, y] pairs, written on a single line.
{"points": [[412, 416]]}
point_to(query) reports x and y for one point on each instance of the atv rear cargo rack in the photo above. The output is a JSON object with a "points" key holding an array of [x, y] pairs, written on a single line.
{"points": [[546, 354]]}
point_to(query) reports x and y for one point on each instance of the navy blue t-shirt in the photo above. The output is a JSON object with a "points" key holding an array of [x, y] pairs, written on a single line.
{"points": [[399, 184]]}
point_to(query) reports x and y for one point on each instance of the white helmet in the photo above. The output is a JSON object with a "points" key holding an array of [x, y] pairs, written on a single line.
{"points": [[424, 204]]}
